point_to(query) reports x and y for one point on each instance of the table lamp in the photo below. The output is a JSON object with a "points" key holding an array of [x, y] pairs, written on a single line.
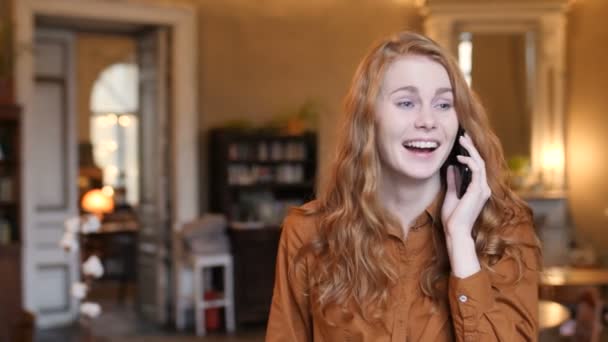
{"points": [[96, 202]]}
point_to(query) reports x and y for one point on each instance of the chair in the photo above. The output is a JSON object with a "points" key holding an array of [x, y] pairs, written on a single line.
{"points": [[200, 246], [201, 276]]}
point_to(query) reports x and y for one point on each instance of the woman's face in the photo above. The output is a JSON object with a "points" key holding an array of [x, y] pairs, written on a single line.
{"points": [[416, 123]]}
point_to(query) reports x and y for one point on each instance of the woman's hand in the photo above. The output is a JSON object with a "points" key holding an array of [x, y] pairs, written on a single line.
{"points": [[459, 215]]}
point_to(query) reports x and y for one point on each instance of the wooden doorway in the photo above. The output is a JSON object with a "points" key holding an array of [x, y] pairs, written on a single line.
{"points": [[39, 248]]}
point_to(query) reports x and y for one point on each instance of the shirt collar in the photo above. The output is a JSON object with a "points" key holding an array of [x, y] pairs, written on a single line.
{"points": [[430, 216], [434, 209]]}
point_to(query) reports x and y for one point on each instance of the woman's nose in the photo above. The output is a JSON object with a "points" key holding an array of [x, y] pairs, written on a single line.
{"points": [[425, 119]]}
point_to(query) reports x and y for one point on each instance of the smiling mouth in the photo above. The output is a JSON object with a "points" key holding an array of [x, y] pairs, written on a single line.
{"points": [[420, 146]]}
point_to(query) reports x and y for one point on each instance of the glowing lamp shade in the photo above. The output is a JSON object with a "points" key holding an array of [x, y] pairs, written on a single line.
{"points": [[553, 158], [552, 167], [96, 202]]}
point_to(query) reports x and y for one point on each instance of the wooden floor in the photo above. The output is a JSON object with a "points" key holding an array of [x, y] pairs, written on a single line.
{"points": [[119, 322]]}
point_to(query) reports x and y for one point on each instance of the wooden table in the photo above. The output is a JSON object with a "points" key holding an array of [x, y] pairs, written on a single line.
{"points": [[551, 314], [115, 243], [574, 276]]}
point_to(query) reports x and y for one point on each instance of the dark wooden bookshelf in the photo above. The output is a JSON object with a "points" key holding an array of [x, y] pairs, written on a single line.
{"points": [[251, 173], [246, 167]]}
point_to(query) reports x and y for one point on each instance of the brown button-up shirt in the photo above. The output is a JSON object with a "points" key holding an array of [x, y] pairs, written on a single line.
{"points": [[486, 306]]}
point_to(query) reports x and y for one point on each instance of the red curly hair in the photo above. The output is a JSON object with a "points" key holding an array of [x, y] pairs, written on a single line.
{"points": [[351, 264]]}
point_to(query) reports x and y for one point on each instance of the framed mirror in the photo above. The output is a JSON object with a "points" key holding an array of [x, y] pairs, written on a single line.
{"points": [[513, 54]]}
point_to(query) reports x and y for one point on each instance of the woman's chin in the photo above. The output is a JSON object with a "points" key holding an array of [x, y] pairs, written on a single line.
{"points": [[420, 174], [412, 171]]}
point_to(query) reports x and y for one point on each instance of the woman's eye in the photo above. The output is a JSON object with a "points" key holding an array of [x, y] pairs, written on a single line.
{"points": [[445, 106], [405, 104]]}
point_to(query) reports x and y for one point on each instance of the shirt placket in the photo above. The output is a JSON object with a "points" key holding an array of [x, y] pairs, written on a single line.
{"points": [[402, 308]]}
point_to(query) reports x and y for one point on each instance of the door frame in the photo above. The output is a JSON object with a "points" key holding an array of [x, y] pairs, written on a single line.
{"points": [[181, 20]]}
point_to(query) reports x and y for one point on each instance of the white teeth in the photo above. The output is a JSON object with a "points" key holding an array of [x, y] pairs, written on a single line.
{"points": [[422, 144]]}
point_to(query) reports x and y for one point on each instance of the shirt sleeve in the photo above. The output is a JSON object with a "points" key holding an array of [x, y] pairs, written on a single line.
{"points": [[493, 306], [290, 318]]}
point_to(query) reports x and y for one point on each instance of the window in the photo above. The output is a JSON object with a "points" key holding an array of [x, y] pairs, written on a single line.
{"points": [[114, 128], [465, 55]]}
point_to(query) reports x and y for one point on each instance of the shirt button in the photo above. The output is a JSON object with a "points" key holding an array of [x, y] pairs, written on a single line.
{"points": [[463, 298]]}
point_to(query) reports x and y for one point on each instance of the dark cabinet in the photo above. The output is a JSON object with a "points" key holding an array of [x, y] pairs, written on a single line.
{"points": [[254, 178], [10, 172], [10, 291], [11, 312], [254, 253]]}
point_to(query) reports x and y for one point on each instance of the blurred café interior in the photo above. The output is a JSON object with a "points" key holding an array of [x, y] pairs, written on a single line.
{"points": [[149, 150]]}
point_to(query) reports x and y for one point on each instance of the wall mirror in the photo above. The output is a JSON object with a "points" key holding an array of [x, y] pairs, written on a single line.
{"points": [[513, 54]]}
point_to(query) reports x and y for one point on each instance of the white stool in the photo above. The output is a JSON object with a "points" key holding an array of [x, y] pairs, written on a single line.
{"points": [[199, 264]]}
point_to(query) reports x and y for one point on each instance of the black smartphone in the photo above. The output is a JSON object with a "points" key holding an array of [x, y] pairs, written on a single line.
{"points": [[463, 173]]}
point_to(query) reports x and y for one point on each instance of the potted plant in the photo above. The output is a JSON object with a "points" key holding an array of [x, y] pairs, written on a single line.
{"points": [[519, 171], [298, 121]]}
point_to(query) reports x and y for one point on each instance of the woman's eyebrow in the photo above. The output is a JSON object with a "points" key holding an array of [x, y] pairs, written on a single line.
{"points": [[406, 88], [414, 90], [440, 91]]}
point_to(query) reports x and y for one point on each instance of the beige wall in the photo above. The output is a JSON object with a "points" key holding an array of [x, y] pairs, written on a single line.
{"points": [[587, 126], [256, 63]]}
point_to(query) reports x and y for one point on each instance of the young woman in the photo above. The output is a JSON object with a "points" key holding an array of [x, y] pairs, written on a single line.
{"points": [[390, 251]]}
